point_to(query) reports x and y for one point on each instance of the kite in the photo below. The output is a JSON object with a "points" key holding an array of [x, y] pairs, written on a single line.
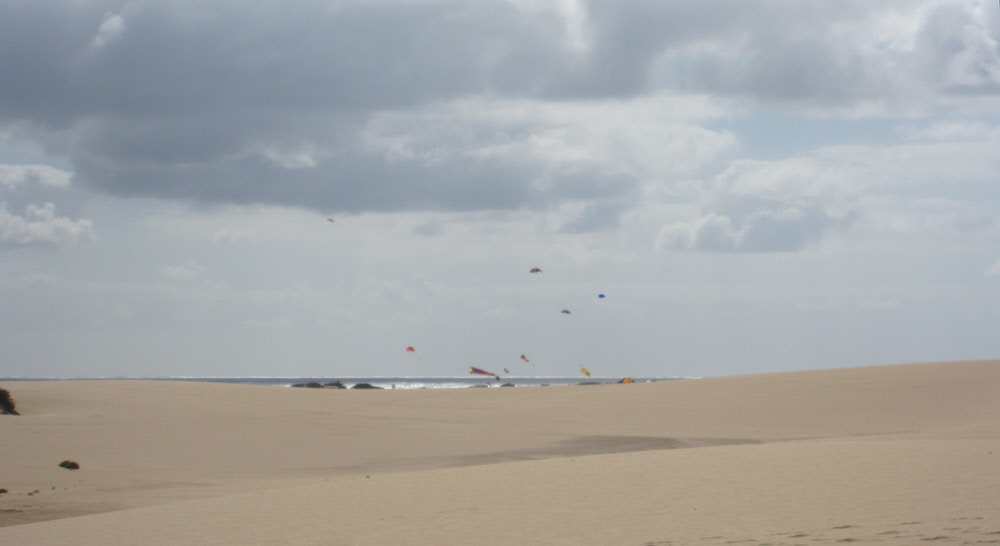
{"points": [[535, 270], [505, 370], [566, 312], [601, 296], [329, 219], [477, 371], [524, 358], [411, 350], [585, 371]]}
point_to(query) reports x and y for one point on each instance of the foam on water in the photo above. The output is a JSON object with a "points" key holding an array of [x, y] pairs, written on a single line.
{"points": [[381, 382]]}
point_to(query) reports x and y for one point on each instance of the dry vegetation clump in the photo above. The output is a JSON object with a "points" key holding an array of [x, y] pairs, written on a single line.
{"points": [[7, 406]]}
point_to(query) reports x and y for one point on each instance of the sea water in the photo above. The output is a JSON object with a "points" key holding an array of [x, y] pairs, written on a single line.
{"points": [[382, 382]]}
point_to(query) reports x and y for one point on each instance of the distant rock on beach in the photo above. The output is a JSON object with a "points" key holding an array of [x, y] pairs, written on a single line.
{"points": [[317, 385]]}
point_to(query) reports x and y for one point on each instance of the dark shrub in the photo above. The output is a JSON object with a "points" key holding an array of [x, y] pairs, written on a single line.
{"points": [[69, 465], [335, 385], [7, 404], [365, 386]]}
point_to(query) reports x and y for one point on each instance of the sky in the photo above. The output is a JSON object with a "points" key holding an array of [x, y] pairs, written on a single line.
{"points": [[222, 188]]}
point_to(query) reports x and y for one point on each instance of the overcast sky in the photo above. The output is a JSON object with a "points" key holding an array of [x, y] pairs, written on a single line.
{"points": [[754, 185]]}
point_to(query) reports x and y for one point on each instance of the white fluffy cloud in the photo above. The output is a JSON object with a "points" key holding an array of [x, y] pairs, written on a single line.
{"points": [[652, 137], [767, 206], [14, 176], [777, 230], [40, 225], [112, 26], [940, 177], [25, 186]]}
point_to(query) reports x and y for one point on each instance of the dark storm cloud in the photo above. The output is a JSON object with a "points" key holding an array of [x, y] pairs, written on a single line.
{"points": [[184, 57], [185, 100], [352, 182]]}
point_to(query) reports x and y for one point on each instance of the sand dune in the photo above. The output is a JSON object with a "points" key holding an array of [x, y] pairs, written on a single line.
{"points": [[899, 454]]}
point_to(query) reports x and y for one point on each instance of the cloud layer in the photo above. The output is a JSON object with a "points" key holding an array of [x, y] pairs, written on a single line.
{"points": [[453, 105]]}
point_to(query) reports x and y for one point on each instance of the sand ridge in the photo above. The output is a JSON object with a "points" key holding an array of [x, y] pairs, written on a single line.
{"points": [[861, 454]]}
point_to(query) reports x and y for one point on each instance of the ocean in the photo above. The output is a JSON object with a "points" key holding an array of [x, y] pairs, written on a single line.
{"points": [[456, 382]]}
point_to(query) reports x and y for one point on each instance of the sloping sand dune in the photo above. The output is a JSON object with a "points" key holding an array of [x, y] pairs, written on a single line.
{"points": [[892, 454]]}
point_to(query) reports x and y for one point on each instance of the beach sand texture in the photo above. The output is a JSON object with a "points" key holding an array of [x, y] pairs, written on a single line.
{"points": [[906, 454]]}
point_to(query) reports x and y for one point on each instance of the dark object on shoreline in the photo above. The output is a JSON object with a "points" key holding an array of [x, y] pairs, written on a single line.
{"points": [[70, 465], [316, 385], [589, 383], [507, 385], [7, 404], [2, 491], [365, 386]]}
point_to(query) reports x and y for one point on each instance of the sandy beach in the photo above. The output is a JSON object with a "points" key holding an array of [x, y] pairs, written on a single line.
{"points": [[892, 454]]}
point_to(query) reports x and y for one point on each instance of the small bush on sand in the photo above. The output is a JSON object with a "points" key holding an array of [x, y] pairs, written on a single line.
{"points": [[69, 465], [7, 404], [365, 386]]}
